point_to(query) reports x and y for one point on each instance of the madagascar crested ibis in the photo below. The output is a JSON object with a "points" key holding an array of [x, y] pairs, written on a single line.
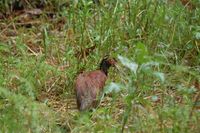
{"points": [[89, 84]]}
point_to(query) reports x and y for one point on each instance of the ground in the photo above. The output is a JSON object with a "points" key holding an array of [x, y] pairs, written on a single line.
{"points": [[155, 89]]}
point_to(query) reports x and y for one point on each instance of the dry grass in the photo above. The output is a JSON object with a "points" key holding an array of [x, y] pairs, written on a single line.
{"points": [[44, 51]]}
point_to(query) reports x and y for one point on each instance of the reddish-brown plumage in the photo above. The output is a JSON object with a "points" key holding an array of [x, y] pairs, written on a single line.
{"points": [[89, 84]]}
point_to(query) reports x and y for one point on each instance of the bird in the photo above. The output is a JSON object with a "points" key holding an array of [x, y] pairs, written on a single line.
{"points": [[89, 85]]}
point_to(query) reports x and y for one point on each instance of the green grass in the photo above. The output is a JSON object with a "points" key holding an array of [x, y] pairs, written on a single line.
{"points": [[157, 45]]}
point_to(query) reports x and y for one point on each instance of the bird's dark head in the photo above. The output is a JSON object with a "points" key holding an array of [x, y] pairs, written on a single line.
{"points": [[106, 63]]}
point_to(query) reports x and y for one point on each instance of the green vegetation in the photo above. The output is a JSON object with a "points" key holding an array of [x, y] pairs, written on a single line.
{"points": [[157, 86]]}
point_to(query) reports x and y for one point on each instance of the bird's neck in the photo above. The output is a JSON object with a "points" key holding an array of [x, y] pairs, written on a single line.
{"points": [[104, 66], [104, 70]]}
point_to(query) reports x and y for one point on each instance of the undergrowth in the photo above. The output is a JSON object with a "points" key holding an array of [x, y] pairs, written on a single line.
{"points": [[155, 89]]}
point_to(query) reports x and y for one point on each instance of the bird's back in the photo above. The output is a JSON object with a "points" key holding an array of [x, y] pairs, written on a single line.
{"points": [[88, 86]]}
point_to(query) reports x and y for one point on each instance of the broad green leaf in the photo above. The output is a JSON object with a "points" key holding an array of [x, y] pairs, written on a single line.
{"points": [[129, 64], [148, 65], [154, 98], [112, 87], [197, 35], [160, 76]]}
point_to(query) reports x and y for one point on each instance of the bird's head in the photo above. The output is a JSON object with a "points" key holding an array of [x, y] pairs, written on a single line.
{"points": [[106, 63]]}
